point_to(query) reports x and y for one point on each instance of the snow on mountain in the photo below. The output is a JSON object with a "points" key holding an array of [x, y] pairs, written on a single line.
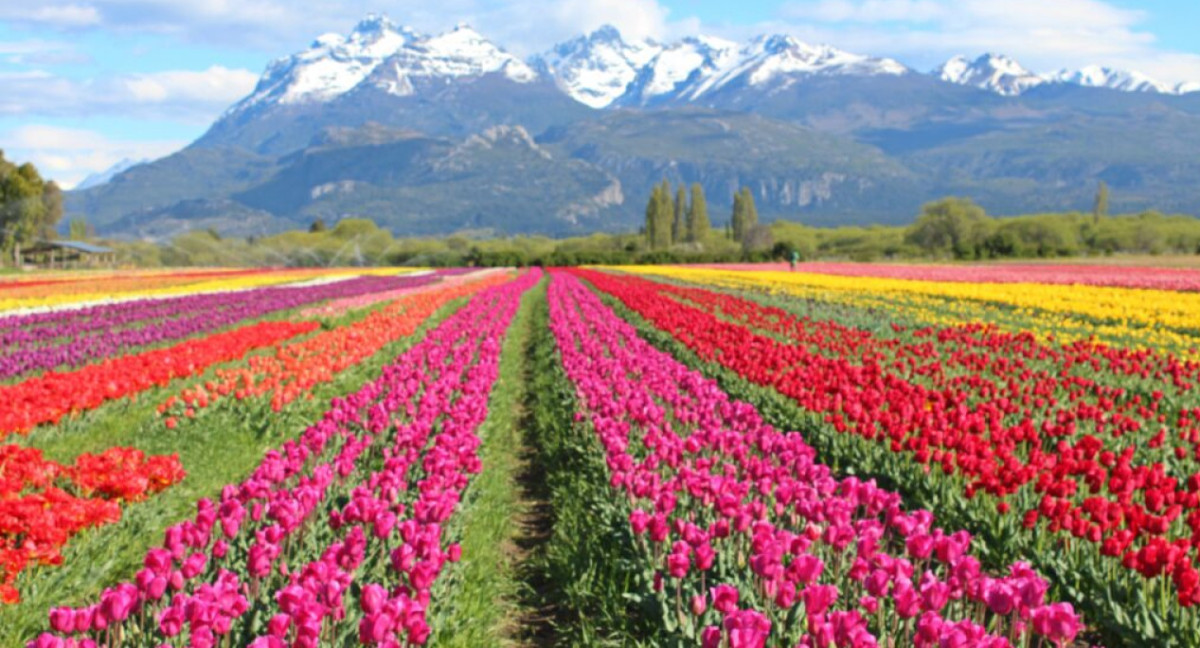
{"points": [[1002, 75], [679, 65], [102, 177], [381, 54], [994, 72], [603, 69], [460, 53], [766, 59], [694, 67], [331, 66], [596, 69], [1102, 77]]}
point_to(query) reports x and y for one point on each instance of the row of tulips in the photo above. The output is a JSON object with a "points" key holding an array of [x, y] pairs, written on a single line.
{"points": [[294, 369], [399, 517], [360, 496], [56, 288], [1054, 442], [443, 277], [123, 287], [177, 275], [750, 541], [53, 395], [1147, 278], [35, 320], [1153, 319], [37, 328], [44, 503], [115, 329]]}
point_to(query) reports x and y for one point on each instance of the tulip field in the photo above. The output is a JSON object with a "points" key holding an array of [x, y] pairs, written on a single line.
{"points": [[843, 455]]}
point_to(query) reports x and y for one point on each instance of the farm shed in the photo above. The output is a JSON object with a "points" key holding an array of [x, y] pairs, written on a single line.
{"points": [[67, 254]]}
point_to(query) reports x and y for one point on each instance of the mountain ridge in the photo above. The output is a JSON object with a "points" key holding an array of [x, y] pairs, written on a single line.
{"points": [[394, 124]]}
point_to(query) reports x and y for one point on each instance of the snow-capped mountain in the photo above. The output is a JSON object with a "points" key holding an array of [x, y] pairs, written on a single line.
{"points": [[461, 53], [432, 134], [1003, 75], [696, 67], [994, 72], [779, 60], [1102, 77], [102, 177], [380, 54], [596, 69], [678, 67], [603, 69]]}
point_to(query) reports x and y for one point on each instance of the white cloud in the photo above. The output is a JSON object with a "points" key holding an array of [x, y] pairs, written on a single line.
{"points": [[62, 15], [870, 11], [68, 155], [179, 95], [40, 52], [280, 26], [1044, 35]]}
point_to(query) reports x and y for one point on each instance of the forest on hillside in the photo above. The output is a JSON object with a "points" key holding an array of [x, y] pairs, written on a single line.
{"points": [[680, 228]]}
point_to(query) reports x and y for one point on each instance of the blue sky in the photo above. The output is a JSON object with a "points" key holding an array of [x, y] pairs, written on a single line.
{"points": [[84, 83]]}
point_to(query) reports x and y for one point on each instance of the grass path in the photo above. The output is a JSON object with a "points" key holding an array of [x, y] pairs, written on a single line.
{"points": [[476, 603]]}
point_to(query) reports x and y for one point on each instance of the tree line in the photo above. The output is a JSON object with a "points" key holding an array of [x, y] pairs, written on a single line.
{"points": [[678, 229], [680, 216], [30, 207], [957, 228]]}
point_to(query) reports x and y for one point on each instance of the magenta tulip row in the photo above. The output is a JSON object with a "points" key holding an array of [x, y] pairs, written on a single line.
{"points": [[755, 542], [233, 556]]}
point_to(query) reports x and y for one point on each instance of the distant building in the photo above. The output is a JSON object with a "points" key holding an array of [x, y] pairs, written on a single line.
{"points": [[67, 254]]}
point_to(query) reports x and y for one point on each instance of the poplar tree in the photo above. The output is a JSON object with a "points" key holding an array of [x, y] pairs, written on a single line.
{"points": [[659, 213], [697, 220], [750, 212], [679, 225], [737, 222], [652, 216], [1100, 207], [663, 215]]}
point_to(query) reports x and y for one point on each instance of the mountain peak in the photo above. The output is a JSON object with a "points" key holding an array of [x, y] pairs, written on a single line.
{"points": [[374, 23], [606, 33], [596, 69], [993, 72], [335, 64], [1095, 76], [103, 177]]}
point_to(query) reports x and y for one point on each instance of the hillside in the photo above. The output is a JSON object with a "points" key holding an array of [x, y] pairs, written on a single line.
{"points": [[431, 134]]}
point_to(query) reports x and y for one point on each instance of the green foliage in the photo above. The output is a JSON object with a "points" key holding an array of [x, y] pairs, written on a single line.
{"points": [[585, 570], [660, 217], [477, 597], [52, 214], [952, 226], [697, 216], [745, 215], [77, 229], [30, 207], [757, 242], [360, 242], [1100, 209], [318, 225], [1033, 237], [679, 224], [751, 210]]}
